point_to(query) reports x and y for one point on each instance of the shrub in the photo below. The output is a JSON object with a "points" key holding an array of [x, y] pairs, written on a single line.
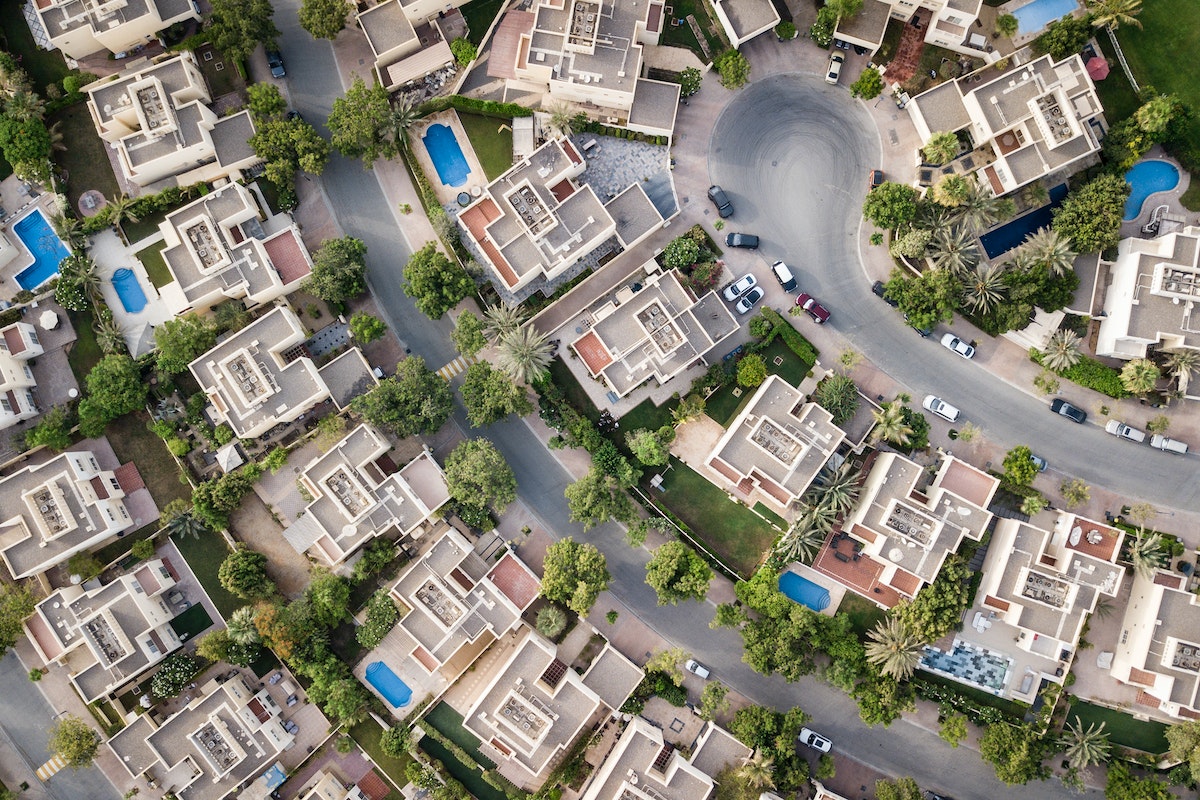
{"points": [[1090, 373], [143, 549], [551, 622], [785, 31], [382, 615], [176, 672], [733, 68], [791, 337]]}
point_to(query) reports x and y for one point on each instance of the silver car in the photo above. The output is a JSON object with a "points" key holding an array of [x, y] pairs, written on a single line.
{"points": [[739, 287], [952, 342]]}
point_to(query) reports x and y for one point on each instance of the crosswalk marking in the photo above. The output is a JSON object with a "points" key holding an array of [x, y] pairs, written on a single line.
{"points": [[51, 768], [456, 367]]}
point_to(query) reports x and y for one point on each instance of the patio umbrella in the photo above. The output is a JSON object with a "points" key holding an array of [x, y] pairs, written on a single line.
{"points": [[1097, 68], [48, 320]]}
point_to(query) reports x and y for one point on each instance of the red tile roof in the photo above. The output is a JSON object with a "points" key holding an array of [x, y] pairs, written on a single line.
{"points": [[593, 352], [129, 478], [15, 341], [1141, 677], [373, 786], [515, 581], [1171, 581], [100, 487], [287, 256], [1150, 700]]}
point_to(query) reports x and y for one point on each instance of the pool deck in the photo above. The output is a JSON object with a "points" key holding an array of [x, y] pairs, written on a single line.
{"points": [[1025, 37], [18, 203], [1169, 198], [475, 178], [111, 254]]}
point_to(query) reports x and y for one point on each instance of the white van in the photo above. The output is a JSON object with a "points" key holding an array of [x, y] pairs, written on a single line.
{"points": [[1123, 431], [784, 275], [1169, 445]]}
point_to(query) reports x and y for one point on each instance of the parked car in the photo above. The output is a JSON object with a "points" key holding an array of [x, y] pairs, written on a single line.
{"points": [[721, 200], [696, 668], [1160, 442], [1039, 462], [746, 240], [880, 290], [925, 332], [1123, 431], [941, 408], [952, 342], [749, 300], [739, 287], [275, 62], [1063, 408], [783, 274], [818, 312], [874, 178], [814, 740], [835, 68]]}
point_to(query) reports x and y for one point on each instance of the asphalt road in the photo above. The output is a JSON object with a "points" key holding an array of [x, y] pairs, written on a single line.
{"points": [[793, 154], [902, 749]]}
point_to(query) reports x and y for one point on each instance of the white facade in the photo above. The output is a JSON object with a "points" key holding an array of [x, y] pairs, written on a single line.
{"points": [[18, 344]]}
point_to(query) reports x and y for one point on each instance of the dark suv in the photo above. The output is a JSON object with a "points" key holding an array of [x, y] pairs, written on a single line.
{"points": [[275, 62], [1063, 408], [721, 200], [880, 291]]}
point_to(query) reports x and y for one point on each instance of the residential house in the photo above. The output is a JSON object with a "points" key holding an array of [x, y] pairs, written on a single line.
{"points": [[1153, 286], [587, 55], [407, 44], [109, 635], [18, 345], [743, 20], [156, 117], [952, 24], [328, 785], [536, 227], [359, 493], [775, 447], [643, 764], [1040, 119], [80, 28], [905, 525], [533, 706], [1159, 649], [651, 328], [222, 247], [1038, 589], [219, 741], [262, 376], [51, 511]]}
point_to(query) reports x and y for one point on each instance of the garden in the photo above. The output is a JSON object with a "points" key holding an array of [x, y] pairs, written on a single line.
{"points": [[1148, 736]]}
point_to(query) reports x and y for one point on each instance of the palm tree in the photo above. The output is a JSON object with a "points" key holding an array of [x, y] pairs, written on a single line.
{"points": [[979, 209], [1033, 505], [935, 218], [82, 269], [561, 120], [24, 105], [894, 648], [1112, 14], [891, 425], [758, 771], [1147, 554], [1140, 376], [1050, 249], [241, 626], [120, 211], [501, 320], [524, 354], [186, 524], [838, 488], [984, 288], [1182, 363], [955, 250], [807, 534], [69, 230], [1085, 748], [56, 137], [1062, 350], [400, 119], [110, 335]]}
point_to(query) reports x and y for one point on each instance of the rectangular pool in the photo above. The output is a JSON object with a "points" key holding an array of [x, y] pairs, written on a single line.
{"points": [[969, 664], [43, 243], [1010, 235], [1036, 15]]}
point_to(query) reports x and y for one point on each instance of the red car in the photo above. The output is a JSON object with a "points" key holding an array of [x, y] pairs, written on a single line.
{"points": [[818, 312]]}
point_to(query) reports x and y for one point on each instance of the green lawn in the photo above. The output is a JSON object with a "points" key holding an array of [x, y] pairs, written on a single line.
{"points": [[367, 733], [133, 441], [84, 159], [862, 612], [770, 515], [85, 352], [491, 142], [479, 15], [204, 555], [564, 379], [649, 416], [156, 266], [194, 621], [1122, 729], [145, 226], [681, 35], [449, 723], [43, 66], [891, 41], [724, 404], [729, 529]]}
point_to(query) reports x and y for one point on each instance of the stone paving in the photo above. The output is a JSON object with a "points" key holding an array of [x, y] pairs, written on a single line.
{"points": [[614, 165]]}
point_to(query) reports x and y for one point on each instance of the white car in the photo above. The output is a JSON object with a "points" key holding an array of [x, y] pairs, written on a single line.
{"points": [[1120, 429], [696, 668], [952, 342], [747, 301], [835, 68], [814, 740], [941, 408], [739, 287]]}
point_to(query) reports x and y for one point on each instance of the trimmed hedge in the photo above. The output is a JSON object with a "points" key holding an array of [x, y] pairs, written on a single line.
{"points": [[1090, 373], [795, 340], [165, 200], [487, 108]]}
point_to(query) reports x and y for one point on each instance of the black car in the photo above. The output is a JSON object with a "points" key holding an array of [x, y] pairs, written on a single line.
{"points": [[721, 200], [746, 240], [925, 332], [293, 114], [1065, 409], [879, 289], [275, 62]]}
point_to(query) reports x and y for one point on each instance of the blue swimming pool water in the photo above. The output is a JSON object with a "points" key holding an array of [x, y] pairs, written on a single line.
{"points": [[1032, 17], [447, 155], [388, 684], [1146, 178], [998, 242], [48, 250], [804, 591], [969, 664], [129, 290]]}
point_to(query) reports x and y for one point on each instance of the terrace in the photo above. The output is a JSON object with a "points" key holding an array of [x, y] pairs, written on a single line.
{"points": [[1186, 656], [350, 494], [48, 505], [526, 716], [204, 242], [910, 523], [439, 602], [1045, 589], [220, 750]]}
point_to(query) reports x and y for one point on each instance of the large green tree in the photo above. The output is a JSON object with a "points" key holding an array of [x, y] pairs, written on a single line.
{"points": [[1019, 468], [676, 572], [468, 336], [114, 388], [927, 299], [244, 573], [652, 448], [413, 401], [1184, 739], [324, 19], [74, 740], [477, 475], [1064, 38], [339, 270], [181, 340], [1121, 784], [359, 121], [329, 596], [574, 574], [891, 205], [434, 283], [598, 497], [938, 606], [288, 146], [236, 27], [1091, 215], [489, 395], [16, 604], [265, 102], [174, 674], [1016, 752]]}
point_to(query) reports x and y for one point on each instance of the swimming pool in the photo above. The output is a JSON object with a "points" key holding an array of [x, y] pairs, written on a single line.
{"points": [[48, 250], [998, 242], [968, 663], [388, 684], [1146, 178], [446, 154], [129, 290], [1034, 16], [803, 591]]}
